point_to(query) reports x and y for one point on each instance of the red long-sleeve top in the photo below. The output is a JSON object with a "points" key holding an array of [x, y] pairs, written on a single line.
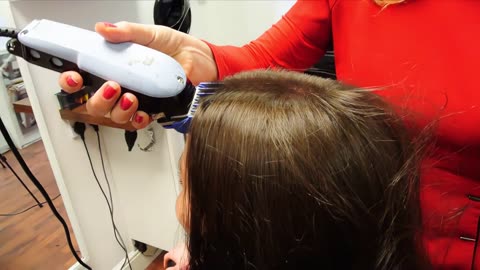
{"points": [[426, 52]]}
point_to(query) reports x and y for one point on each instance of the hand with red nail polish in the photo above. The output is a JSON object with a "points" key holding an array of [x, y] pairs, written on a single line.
{"points": [[109, 92], [71, 82], [187, 50], [138, 119], [125, 103], [107, 24], [125, 109]]}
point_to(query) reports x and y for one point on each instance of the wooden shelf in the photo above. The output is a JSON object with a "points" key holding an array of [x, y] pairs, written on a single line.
{"points": [[80, 114], [22, 105]]}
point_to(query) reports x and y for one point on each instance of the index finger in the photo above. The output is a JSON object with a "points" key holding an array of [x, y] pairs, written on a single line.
{"points": [[153, 36]]}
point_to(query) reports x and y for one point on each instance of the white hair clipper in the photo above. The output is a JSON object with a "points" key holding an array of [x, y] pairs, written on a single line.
{"points": [[156, 79]]}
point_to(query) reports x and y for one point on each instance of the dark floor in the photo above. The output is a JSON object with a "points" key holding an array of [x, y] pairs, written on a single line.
{"points": [[34, 239]]}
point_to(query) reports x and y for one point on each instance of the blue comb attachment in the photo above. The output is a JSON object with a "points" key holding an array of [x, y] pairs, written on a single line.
{"points": [[181, 126], [202, 90]]}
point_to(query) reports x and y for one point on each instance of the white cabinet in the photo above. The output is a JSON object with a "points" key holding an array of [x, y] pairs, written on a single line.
{"points": [[144, 184]]}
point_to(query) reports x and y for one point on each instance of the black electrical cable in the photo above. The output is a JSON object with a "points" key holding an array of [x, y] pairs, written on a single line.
{"points": [[4, 161], [28, 208], [127, 259], [117, 234], [79, 128], [42, 190], [95, 127]]}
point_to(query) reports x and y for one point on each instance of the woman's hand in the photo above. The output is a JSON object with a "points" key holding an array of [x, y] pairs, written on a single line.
{"points": [[179, 255], [193, 55]]}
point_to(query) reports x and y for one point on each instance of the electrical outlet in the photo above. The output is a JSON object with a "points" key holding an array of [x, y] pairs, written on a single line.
{"points": [[145, 249]]}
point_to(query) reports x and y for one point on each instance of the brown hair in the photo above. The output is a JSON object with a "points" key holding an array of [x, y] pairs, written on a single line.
{"points": [[290, 171]]}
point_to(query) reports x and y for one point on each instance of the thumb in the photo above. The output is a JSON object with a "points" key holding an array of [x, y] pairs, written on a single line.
{"points": [[160, 38]]}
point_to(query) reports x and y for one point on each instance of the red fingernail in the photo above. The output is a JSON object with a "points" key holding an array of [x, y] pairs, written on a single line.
{"points": [[71, 82], [109, 92], [107, 24], [138, 118], [125, 103]]}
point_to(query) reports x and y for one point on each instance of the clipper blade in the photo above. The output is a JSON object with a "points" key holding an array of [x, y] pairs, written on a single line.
{"points": [[203, 90]]}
